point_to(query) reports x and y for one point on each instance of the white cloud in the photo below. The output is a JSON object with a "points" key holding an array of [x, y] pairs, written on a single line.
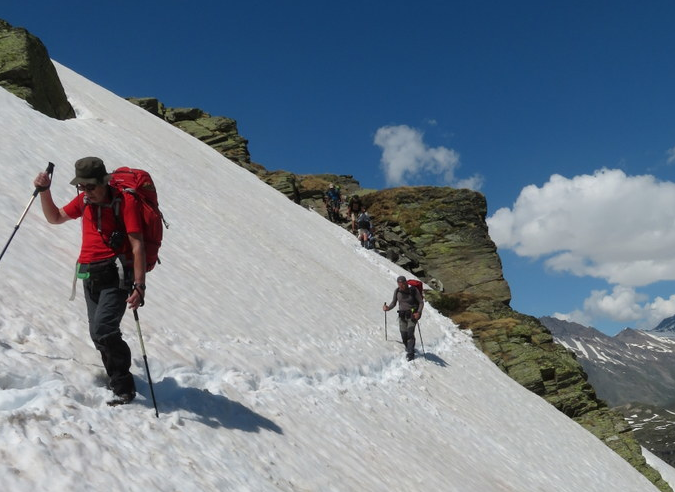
{"points": [[405, 157], [574, 317], [623, 304], [671, 155], [659, 309], [606, 225]]}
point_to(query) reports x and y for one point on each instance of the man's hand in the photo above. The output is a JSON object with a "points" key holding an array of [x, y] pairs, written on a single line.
{"points": [[135, 300], [42, 182]]}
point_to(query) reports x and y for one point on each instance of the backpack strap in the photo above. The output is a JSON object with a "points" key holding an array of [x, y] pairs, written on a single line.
{"points": [[115, 206]]}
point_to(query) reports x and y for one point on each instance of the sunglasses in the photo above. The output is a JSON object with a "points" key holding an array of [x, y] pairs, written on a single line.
{"points": [[86, 187]]}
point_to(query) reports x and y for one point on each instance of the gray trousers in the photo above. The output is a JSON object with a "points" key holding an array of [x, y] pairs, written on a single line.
{"points": [[407, 328], [105, 309]]}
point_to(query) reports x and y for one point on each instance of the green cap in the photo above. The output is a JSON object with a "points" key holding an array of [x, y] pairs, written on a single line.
{"points": [[90, 170]]}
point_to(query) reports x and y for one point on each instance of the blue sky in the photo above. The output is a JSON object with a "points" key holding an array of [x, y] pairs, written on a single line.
{"points": [[499, 96]]}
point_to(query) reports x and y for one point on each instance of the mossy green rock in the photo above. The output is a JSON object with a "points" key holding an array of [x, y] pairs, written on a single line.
{"points": [[219, 132], [27, 72], [447, 227]]}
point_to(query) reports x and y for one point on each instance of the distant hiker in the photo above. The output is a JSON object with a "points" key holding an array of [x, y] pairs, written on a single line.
{"points": [[365, 233], [111, 262], [410, 304], [354, 209], [333, 201]]}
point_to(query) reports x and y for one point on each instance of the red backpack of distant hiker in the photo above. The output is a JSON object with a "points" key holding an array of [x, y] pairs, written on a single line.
{"points": [[138, 183], [418, 285]]}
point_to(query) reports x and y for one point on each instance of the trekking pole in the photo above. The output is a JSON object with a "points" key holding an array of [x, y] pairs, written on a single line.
{"points": [[421, 341], [50, 171], [385, 324], [145, 359]]}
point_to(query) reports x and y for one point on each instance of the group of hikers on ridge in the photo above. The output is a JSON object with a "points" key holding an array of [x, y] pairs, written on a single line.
{"points": [[361, 222], [409, 298], [115, 256]]}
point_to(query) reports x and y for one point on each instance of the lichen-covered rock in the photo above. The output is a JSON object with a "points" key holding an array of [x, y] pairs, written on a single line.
{"points": [[27, 72], [218, 132], [448, 230]]}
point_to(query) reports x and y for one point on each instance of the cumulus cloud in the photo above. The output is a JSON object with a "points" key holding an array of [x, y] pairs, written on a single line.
{"points": [[623, 304], [576, 316], [606, 225], [657, 310], [406, 158]]}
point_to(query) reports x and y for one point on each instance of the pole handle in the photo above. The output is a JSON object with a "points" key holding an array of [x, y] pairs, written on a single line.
{"points": [[50, 171], [385, 324]]}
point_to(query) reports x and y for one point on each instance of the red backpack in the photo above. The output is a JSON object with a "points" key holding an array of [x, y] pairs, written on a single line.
{"points": [[418, 285], [138, 183]]}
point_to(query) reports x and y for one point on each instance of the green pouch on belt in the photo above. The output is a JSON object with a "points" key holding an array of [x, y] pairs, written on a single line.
{"points": [[82, 271]]}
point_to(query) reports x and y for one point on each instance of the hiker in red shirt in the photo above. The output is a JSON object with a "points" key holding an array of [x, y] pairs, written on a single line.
{"points": [[111, 262]]}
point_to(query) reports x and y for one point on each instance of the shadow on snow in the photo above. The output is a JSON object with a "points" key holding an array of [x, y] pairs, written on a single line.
{"points": [[212, 410]]}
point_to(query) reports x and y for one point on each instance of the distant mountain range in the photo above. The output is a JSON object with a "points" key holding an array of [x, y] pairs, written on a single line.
{"points": [[666, 327], [632, 366], [634, 372]]}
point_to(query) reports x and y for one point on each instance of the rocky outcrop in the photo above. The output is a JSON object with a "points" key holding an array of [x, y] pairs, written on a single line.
{"points": [[447, 229], [27, 72], [218, 132]]}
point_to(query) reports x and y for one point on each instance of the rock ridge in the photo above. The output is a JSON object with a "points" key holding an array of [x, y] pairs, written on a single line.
{"points": [[27, 72]]}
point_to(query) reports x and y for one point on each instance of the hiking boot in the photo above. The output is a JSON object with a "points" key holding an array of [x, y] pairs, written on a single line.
{"points": [[126, 397], [410, 356]]}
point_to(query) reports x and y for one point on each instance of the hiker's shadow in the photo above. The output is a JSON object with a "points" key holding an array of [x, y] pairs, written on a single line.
{"points": [[435, 359], [428, 356], [209, 409]]}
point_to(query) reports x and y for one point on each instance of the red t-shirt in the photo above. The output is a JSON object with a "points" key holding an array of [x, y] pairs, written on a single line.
{"points": [[94, 243]]}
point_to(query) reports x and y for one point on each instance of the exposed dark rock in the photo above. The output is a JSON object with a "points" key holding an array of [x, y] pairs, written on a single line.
{"points": [[27, 72], [448, 234], [218, 132], [654, 428]]}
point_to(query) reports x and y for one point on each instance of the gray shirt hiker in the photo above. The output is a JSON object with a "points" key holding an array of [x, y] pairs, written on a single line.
{"points": [[411, 304], [407, 300]]}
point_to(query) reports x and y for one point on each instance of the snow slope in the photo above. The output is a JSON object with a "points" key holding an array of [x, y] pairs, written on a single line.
{"points": [[265, 340]]}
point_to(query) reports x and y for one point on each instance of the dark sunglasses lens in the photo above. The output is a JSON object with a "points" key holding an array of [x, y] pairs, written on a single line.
{"points": [[86, 187]]}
